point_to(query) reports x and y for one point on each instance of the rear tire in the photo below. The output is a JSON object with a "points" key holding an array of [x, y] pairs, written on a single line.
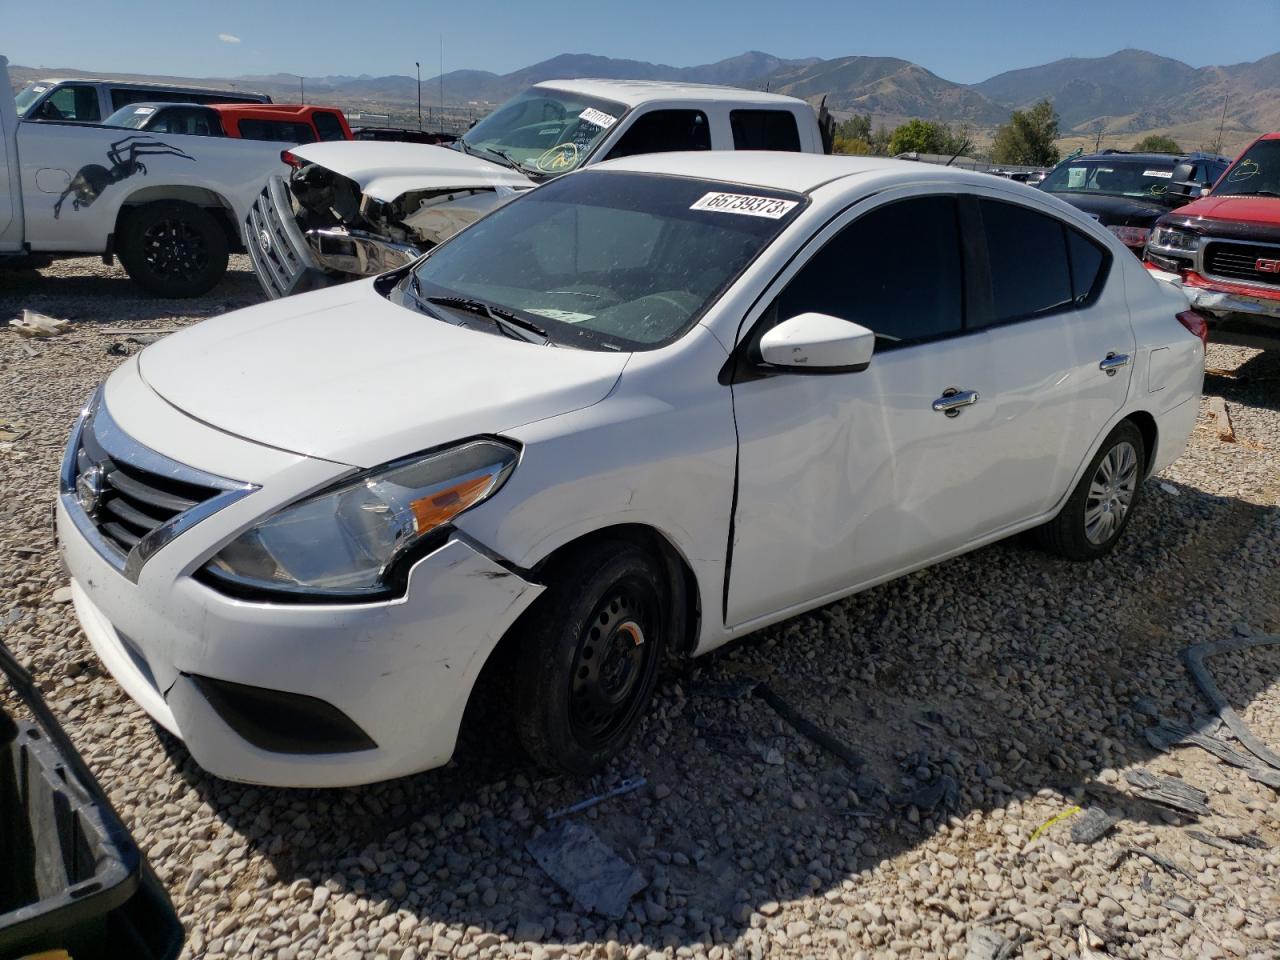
{"points": [[1093, 518], [588, 656], [173, 249]]}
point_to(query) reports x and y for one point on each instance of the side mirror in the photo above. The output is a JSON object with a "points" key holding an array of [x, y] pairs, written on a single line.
{"points": [[818, 343]]}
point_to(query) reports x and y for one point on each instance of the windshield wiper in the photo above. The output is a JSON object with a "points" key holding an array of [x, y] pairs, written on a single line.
{"points": [[507, 322], [507, 159]]}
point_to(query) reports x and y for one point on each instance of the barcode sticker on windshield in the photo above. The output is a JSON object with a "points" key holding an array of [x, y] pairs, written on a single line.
{"points": [[598, 117], [564, 316], [144, 111], [748, 206], [1162, 174]]}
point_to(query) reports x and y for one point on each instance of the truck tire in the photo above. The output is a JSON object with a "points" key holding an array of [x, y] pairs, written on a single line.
{"points": [[173, 248]]}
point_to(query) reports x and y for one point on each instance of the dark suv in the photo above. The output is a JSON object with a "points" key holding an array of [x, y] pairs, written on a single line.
{"points": [[1128, 192]]}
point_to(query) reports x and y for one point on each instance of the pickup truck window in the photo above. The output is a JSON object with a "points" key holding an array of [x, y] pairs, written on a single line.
{"points": [[1256, 173], [328, 125], [74, 101], [193, 121], [663, 131], [765, 130], [280, 131]]}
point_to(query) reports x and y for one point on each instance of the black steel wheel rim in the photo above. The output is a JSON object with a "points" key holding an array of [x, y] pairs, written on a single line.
{"points": [[175, 250], [612, 663]]}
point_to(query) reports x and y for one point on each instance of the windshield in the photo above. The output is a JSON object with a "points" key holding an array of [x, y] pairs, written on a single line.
{"points": [[544, 131], [1147, 179], [133, 117], [29, 95], [606, 261], [1257, 173]]}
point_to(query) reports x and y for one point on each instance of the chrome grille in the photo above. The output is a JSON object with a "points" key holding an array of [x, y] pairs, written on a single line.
{"points": [[1238, 261], [274, 241]]}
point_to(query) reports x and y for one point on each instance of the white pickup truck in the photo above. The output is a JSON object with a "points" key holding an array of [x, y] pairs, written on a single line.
{"points": [[360, 208], [169, 206]]}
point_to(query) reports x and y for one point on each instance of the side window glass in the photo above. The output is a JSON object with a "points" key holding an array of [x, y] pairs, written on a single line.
{"points": [[661, 131], [122, 98], [764, 130], [279, 131], [328, 125], [1029, 268], [897, 271], [71, 102], [1087, 259]]}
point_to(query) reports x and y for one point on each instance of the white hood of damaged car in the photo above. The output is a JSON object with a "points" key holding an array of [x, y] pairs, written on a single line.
{"points": [[345, 375], [386, 170]]}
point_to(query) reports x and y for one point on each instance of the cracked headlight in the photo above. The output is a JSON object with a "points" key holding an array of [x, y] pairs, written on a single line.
{"points": [[345, 540], [1174, 240]]}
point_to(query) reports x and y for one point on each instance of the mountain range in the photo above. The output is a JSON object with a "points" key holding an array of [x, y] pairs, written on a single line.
{"points": [[1124, 94]]}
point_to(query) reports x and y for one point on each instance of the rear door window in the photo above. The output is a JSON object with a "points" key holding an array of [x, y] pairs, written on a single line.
{"points": [[1027, 251], [328, 125], [280, 131], [765, 130], [897, 271], [72, 101], [662, 131], [1087, 262]]}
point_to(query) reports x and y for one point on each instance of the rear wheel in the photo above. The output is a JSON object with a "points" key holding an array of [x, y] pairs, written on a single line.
{"points": [[589, 656], [173, 249], [1103, 502]]}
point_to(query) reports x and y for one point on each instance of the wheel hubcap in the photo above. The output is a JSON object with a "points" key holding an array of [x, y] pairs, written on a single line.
{"points": [[175, 250], [1111, 493], [609, 667]]}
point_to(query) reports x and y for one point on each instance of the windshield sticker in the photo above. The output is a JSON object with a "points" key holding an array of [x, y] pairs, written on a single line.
{"points": [[1075, 177], [39, 89], [601, 119], [564, 316], [144, 111], [745, 205], [1162, 174]]}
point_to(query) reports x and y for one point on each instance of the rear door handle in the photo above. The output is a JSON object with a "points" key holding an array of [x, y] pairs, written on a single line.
{"points": [[953, 400], [1113, 362]]}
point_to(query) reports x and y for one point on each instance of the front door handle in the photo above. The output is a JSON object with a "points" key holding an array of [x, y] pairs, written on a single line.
{"points": [[1113, 362], [954, 399]]}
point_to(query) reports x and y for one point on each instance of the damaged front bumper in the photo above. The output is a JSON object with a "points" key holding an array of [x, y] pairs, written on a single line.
{"points": [[1237, 313]]}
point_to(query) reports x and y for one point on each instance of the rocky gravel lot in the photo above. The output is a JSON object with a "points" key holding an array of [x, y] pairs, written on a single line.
{"points": [[987, 697]]}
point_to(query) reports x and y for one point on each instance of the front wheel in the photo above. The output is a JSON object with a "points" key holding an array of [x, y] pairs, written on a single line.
{"points": [[173, 249], [1103, 502], [589, 657]]}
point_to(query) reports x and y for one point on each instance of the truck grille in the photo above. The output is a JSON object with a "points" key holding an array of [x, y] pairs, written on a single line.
{"points": [[274, 241], [1238, 261]]}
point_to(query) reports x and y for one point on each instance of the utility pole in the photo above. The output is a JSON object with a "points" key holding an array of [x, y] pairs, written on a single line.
{"points": [[418, 66], [302, 93], [1217, 147], [442, 81]]}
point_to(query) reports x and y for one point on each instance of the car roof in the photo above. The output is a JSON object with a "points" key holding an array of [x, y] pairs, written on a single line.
{"points": [[161, 104], [284, 110], [633, 93], [794, 172], [152, 85]]}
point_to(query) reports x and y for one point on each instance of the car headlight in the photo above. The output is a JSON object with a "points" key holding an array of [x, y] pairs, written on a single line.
{"points": [[1130, 236], [1174, 240], [346, 539]]}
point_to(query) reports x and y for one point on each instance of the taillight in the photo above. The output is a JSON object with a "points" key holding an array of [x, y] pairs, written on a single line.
{"points": [[287, 156], [1196, 324]]}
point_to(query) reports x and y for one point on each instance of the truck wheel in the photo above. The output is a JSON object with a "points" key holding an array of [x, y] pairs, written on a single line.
{"points": [[173, 249], [588, 657]]}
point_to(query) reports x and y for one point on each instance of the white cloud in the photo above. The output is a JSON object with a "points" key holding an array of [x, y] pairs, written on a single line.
{"points": [[228, 38]]}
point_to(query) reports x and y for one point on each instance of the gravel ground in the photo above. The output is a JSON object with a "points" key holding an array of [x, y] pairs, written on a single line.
{"points": [[1006, 687]]}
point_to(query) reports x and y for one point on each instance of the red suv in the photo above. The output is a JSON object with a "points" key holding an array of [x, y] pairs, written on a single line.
{"points": [[1225, 247]]}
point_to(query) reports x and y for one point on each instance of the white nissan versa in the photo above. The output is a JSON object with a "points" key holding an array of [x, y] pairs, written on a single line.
{"points": [[644, 408]]}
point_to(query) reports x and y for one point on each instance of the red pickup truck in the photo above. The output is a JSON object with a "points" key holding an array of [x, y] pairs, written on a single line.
{"points": [[283, 123], [1225, 249]]}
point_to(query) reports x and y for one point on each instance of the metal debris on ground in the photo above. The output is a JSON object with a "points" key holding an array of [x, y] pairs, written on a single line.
{"points": [[1058, 818], [1158, 859], [1091, 825], [1169, 792], [1250, 840], [810, 730], [1195, 657], [1222, 420], [1166, 734], [626, 786], [587, 868], [34, 324]]}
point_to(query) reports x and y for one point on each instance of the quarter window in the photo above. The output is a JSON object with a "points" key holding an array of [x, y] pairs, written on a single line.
{"points": [[1027, 251], [764, 130], [328, 125], [897, 271], [662, 131]]}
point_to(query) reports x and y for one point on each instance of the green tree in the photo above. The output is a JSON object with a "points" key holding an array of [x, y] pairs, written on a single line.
{"points": [[880, 141], [1028, 137], [857, 127], [1156, 143], [851, 146], [917, 136]]}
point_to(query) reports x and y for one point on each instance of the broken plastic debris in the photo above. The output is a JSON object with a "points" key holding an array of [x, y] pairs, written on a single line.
{"points": [[1195, 663], [1170, 792], [586, 868], [33, 324], [626, 786], [1170, 489], [1165, 735], [1091, 824]]}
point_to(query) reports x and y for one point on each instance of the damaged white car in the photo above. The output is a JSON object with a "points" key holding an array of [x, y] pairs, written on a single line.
{"points": [[353, 210], [643, 409]]}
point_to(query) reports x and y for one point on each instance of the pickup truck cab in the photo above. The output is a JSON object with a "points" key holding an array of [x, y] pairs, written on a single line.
{"points": [[280, 123], [1224, 248], [168, 205], [85, 100], [359, 209]]}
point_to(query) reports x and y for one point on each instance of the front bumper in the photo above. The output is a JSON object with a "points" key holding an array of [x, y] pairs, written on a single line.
{"points": [[400, 670], [1238, 313]]}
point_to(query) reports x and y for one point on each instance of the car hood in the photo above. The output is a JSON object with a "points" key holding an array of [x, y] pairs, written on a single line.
{"points": [[1117, 211], [386, 170], [345, 375], [1263, 210]]}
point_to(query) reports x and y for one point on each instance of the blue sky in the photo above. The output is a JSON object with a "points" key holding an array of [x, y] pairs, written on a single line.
{"points": [[964, 42]]}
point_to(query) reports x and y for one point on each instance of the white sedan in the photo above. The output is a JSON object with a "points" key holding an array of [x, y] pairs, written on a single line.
{"points": [[642, 409]]}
